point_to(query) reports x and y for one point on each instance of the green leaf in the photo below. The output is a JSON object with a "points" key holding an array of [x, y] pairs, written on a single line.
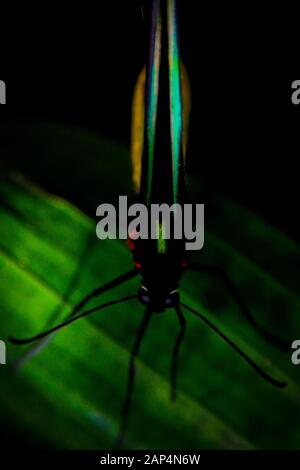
{"points": [[70, 394]]}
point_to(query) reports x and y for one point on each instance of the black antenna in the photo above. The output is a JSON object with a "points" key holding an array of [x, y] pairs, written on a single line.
{"points": [[68, 322], [230, 286], [131, 376], [175, 355], [262, 373]]}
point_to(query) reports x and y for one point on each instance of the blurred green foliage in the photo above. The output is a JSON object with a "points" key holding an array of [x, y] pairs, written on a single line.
{"points": [[70, 395]]}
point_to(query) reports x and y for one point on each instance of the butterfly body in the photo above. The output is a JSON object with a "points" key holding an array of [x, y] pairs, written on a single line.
{"points": [[159, 136]]}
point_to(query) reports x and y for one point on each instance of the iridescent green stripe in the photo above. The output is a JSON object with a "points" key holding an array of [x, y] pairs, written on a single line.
{"points": [[161, 239], [175, 94], [153, 95]]}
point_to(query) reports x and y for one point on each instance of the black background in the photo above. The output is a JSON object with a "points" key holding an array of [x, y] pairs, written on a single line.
{"points": [[79, 66]]}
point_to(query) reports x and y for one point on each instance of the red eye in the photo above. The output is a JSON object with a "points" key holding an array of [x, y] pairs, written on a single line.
{"points": [[137, 265]]}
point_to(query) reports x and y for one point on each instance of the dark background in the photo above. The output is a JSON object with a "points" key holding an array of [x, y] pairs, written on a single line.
{"points": [[79, 67]]}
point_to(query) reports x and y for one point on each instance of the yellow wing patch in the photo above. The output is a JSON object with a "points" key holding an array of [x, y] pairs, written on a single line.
{"points": [[138, 121]]}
